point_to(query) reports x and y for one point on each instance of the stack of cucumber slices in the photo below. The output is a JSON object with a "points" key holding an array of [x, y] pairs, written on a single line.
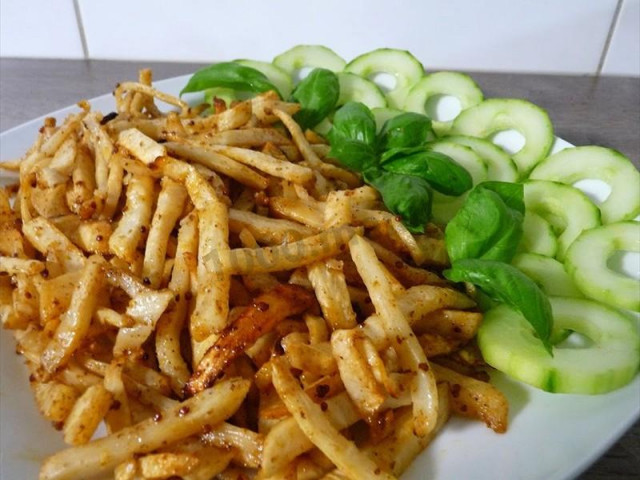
{"points": [[570, 243]]}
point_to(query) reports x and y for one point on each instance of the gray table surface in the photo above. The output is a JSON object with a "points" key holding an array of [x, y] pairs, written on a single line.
{"points": [[584, 110]]}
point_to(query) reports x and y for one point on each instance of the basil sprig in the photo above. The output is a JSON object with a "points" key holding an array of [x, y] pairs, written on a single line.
{"points": [[481, 241], [229, 75], [489, 224], [317, 95], [443, 174], [406, 130], [353, 137], [396, 161], [407, 196]]}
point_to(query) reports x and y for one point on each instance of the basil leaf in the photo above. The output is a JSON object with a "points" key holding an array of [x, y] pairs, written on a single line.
{"points": [[405, 130], [317, 95], [512, 194], [354, 155], [396, 153], [442, 173], [507, 284], [353, 137], [353, 121], [487, 226], [229, 75], [407, 196]]}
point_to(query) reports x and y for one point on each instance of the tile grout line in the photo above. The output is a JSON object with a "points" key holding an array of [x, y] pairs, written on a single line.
{"points": [[83, 37], [607, 42]]}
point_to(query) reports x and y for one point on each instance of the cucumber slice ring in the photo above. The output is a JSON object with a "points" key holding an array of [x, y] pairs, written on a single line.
{"points": [[454, 84], [354, 88], [573, 164], [587, 258], [548, 273], [500, 166], [567, 209], [401, 64], [538, 236], [499, 114], [302, 56], [276, 75], [508, 343]]}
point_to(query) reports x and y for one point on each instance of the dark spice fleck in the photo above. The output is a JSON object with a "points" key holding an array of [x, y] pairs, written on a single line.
{"points": [[108, 117], [324, 406], [183, 411], [455, 390], [262, 306], [322, 390]]}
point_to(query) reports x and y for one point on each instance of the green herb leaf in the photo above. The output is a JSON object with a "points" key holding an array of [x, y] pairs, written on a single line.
{"points": [[229, 75], [317, 94], [442, 173], [507, 284], [405, 130], [354, 155], [407, 196], [512, 194], [489, 224], [353, 137]]}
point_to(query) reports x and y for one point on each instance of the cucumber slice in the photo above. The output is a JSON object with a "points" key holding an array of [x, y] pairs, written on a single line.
{"points": [[401, 64], [548, 273], [499, 114], [276, 75], [357, 89], [382, 114], [567, 209], [500, 166], [312, 56], [454, 84], [574, 164], [323, 127], [445, 206], [537, 236], [609, 360], [587, 258]]}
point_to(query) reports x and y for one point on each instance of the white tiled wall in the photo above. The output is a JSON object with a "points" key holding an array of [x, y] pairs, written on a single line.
{"points": [[39, 28], [569, 36], [623, 56]]}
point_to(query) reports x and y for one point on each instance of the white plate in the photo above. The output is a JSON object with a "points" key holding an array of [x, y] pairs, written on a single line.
{"points": [[550, 436]]}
